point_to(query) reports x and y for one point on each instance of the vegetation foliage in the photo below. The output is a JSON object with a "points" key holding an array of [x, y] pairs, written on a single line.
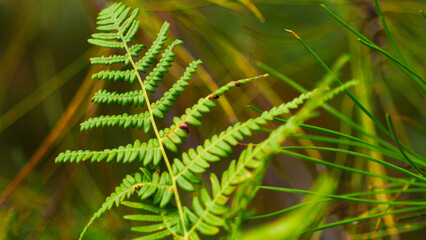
{"points": [[193, 175], [118, 25]]}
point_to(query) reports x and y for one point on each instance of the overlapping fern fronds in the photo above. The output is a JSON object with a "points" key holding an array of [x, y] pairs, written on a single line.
{"points": [[157, 191]]}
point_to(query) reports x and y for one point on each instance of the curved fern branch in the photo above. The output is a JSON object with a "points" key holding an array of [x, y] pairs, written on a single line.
{"points": [[196, 161], [139, 183], [250, 164]]}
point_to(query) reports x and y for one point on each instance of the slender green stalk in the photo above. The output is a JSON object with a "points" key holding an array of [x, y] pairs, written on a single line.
{"points": [[362, 142], [392, 130], [388, 34], [158, 136], [327, 107], [328, 70], [384, 163], [356, 219], [368, 43], [348, 197], [362, 107], [354, 170]]}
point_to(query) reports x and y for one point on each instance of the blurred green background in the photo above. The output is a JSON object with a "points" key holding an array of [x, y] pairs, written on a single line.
{"points": [[46, 86]]}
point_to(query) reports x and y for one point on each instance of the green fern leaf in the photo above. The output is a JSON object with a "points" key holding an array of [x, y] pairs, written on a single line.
{"points": [[125, 121], [156, 74], [128, 75], [114, 59], [159, 107], [122, 99], [143, 152], [155, 49]]}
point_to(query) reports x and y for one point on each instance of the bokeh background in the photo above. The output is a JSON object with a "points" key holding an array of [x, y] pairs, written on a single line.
{"points": [[46, 86]]}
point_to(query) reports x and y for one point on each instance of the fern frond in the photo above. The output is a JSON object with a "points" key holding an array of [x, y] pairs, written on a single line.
{"points": [[156, 74], [117, 29], [122, 99], [166, 221], [206, 214], [155, 49], [196, 161], [272, 144], [174, 134], [125, 121], [110, 60], [139, 183], [143, 152], [160, 106]]}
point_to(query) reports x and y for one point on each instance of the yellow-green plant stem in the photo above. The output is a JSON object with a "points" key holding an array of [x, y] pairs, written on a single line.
{"points": [[154, 127], [157, 135]]}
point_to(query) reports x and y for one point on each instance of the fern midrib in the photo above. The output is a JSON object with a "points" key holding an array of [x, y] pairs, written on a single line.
{"points": [[164, 217], [154, 127]]}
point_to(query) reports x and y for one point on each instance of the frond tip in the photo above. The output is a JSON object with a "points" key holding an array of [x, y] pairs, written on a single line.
{"points": [[116, 26]]}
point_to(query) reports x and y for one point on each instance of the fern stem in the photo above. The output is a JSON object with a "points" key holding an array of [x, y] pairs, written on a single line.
{"points": [[154, 127], [157, 135]]}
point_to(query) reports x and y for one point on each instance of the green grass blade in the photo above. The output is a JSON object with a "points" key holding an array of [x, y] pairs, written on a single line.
{"points": [[328, 70], [350, 169], [384, 163], [392, 130], [356, 219], [327, 107], [385, 27], [347, 198], [370, 44], [403, 67]]}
